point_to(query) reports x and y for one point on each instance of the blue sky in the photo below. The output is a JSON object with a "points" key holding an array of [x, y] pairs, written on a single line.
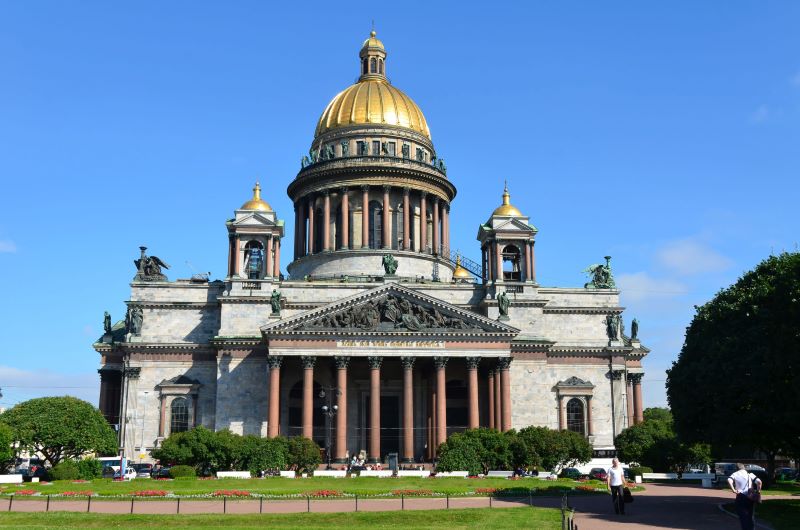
{"points": [[665, 134]]}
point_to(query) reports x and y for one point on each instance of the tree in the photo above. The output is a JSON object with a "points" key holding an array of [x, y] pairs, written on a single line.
{"points": [[735, 380], [552, 449], [205, 450], [304, 454], [60, 427], [476, 451], [262, 454], [7, 452]]}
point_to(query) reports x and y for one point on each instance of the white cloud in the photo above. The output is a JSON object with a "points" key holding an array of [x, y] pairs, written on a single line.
{"points": [[689, 257], [6, 245], [640, 286], [22, 384], [760, 115]]}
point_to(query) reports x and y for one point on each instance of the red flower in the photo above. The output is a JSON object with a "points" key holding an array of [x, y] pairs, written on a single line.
{"points": [[231, 493], [85, 493], [412, 492], [485, 490], [325, 493], [25, 492], [150, 493]]}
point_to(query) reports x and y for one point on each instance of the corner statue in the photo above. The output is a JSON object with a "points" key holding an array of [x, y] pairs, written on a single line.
{"points": [[601, 277], [275, 302], [106, 322], [635, 329], [503, 303], [389, 264], [148, 268]]}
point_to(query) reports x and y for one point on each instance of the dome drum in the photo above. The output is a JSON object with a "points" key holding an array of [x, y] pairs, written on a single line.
{"points": [[335, 266]]}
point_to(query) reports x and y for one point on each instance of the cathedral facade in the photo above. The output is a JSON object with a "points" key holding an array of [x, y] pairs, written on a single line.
{"points": [[381, 338]]}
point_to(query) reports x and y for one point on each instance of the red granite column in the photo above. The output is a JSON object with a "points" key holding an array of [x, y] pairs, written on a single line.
{"points": [[387, 222], [629, 400], [273, 416], [308, 395], [423, 223], [528, 262], [441, 399], [472, 389], [406, 220], [375, 408], [301, 242], [364, 216], [638, 415], [498, 399], [589, 424], [431, 452], [446, 226], [408, 408], [533, 261], [342, 364], [498, 254], [268, 268], [311, 248], [505, 382], [326, 222], [490, 384], [345, 219], [277, 264], [436, 240]]}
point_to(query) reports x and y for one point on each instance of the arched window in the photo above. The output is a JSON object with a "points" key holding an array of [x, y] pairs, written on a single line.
{"points": [[375, 224], [373, 67], [575, 417], [179, 416], [512, 263], [254, 260]]}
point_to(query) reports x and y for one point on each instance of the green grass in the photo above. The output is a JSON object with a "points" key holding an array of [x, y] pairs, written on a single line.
{"points": [[281, 486], [782, 514], [540, 518], [782, 488]]}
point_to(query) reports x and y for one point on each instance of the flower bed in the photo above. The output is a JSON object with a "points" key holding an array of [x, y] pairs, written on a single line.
{"points": [[232, 493], [150, 493], [585, 488], [325, 493], [84, 493], [412, 492], [25, 492]]}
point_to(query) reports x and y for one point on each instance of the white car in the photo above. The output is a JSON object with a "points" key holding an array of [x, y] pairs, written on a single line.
{"points": [[130, 474]]}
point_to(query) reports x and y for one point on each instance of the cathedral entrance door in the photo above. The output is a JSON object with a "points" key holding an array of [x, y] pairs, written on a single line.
{"points": [[391, 433]]}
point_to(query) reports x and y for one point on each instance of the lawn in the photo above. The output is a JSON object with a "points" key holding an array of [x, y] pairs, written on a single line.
{"points": [[309, 486], [540, 518], [782, 514], [782, 488]]}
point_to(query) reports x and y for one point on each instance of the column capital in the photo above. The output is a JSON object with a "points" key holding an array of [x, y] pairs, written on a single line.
{"points": [[441, 362], [504, 363], [341, 362], [386, 187], [326, 192], [635, 378], [408, 362], [274, 361], [423, 194], [365, 187], [473, 362], [344, 190], [435, 199], [406, 191], [490, 373], [308, 361], [375, 362], [616, 375]]}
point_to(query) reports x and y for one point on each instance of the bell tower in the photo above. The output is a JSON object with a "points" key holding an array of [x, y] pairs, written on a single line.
{"points": [[254, 239]]}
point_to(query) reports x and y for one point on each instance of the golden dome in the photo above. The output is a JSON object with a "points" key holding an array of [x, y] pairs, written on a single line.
{"points": [[256, 203], [460, 273], [373, 99], [507, 208]]}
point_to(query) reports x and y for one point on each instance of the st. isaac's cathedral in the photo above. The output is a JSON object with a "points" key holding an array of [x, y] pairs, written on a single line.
{"points": [[381, 338]]}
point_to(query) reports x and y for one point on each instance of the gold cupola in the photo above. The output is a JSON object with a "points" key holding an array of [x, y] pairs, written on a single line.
{"points": [[256, 203], [460, 273], [372, 100], [507, 208]]}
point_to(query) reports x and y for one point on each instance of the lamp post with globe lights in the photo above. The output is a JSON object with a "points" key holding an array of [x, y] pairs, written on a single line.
{"points": [[329, 410]]}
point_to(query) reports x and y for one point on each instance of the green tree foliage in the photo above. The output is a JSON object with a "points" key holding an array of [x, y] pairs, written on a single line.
{"points": [[7, 452], [552, 449], [476, 451], [735, 380], [182, 471], [262, 454], [60, 428], [64, 470], [657, 414], [304, 454], [90, 468]]}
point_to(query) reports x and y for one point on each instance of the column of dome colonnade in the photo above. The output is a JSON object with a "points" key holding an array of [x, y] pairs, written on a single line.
{"points": [[436, 423], [372, 182]]}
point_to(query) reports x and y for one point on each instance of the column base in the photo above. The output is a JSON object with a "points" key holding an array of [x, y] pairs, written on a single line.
{"points": [[373, 460], [407, 461], [339, 461]]}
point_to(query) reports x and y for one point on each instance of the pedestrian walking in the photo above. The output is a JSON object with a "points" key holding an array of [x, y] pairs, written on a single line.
{"points": [[615, 480], [747, 488]]}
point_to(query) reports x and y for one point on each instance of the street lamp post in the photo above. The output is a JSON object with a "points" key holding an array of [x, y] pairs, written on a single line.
{"points": [[329, 410]]}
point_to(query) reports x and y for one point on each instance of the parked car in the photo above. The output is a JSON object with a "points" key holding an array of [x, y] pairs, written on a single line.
{"points": [[570, 472], [598, 473], [754, 467], [785, 473], [160, 472], [143, 470], [130, 474]]}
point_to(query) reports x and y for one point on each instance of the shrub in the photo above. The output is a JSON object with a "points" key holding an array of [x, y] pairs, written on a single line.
{"points": [[90, 468], [476, 451], [65, 470], [641, 469], [304, 454], [262, 454], [182, 472]]}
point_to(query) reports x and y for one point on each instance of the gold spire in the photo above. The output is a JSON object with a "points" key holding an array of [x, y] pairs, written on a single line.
{"points": [[461, 273], [507, 208], [256, 203]]}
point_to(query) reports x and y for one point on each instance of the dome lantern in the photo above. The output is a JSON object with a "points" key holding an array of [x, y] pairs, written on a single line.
{"points": [[257, 203], [507, 208], [373, 57]]}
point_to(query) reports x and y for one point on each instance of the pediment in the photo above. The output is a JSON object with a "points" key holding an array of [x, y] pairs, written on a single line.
{"points": [[574, 382], [254, 219], [513, 225], [390, 310]]}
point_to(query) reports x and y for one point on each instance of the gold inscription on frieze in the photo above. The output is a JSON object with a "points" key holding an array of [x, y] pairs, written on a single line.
{"points": [[400, 344]]}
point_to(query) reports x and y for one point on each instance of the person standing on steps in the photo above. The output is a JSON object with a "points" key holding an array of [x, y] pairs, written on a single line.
{"points": [[741, 483], [615, 480]]}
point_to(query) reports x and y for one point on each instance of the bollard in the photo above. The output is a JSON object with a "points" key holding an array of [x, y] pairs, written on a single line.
{"points": [[490, 500], [530, 498], [9, 506], [47, 506], [402, 501], [308, 504], [178, 509], [88, 504], [132, 499], [224, 504], [10, 502], [261, 505], [447, 496]]}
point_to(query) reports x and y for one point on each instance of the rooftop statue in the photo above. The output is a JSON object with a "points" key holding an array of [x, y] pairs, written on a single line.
{"points": [[601, 276], [133, 320], [503, 304], [275, 302], [634, 329], [148, 268], [106, 322], [389, 264]]}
